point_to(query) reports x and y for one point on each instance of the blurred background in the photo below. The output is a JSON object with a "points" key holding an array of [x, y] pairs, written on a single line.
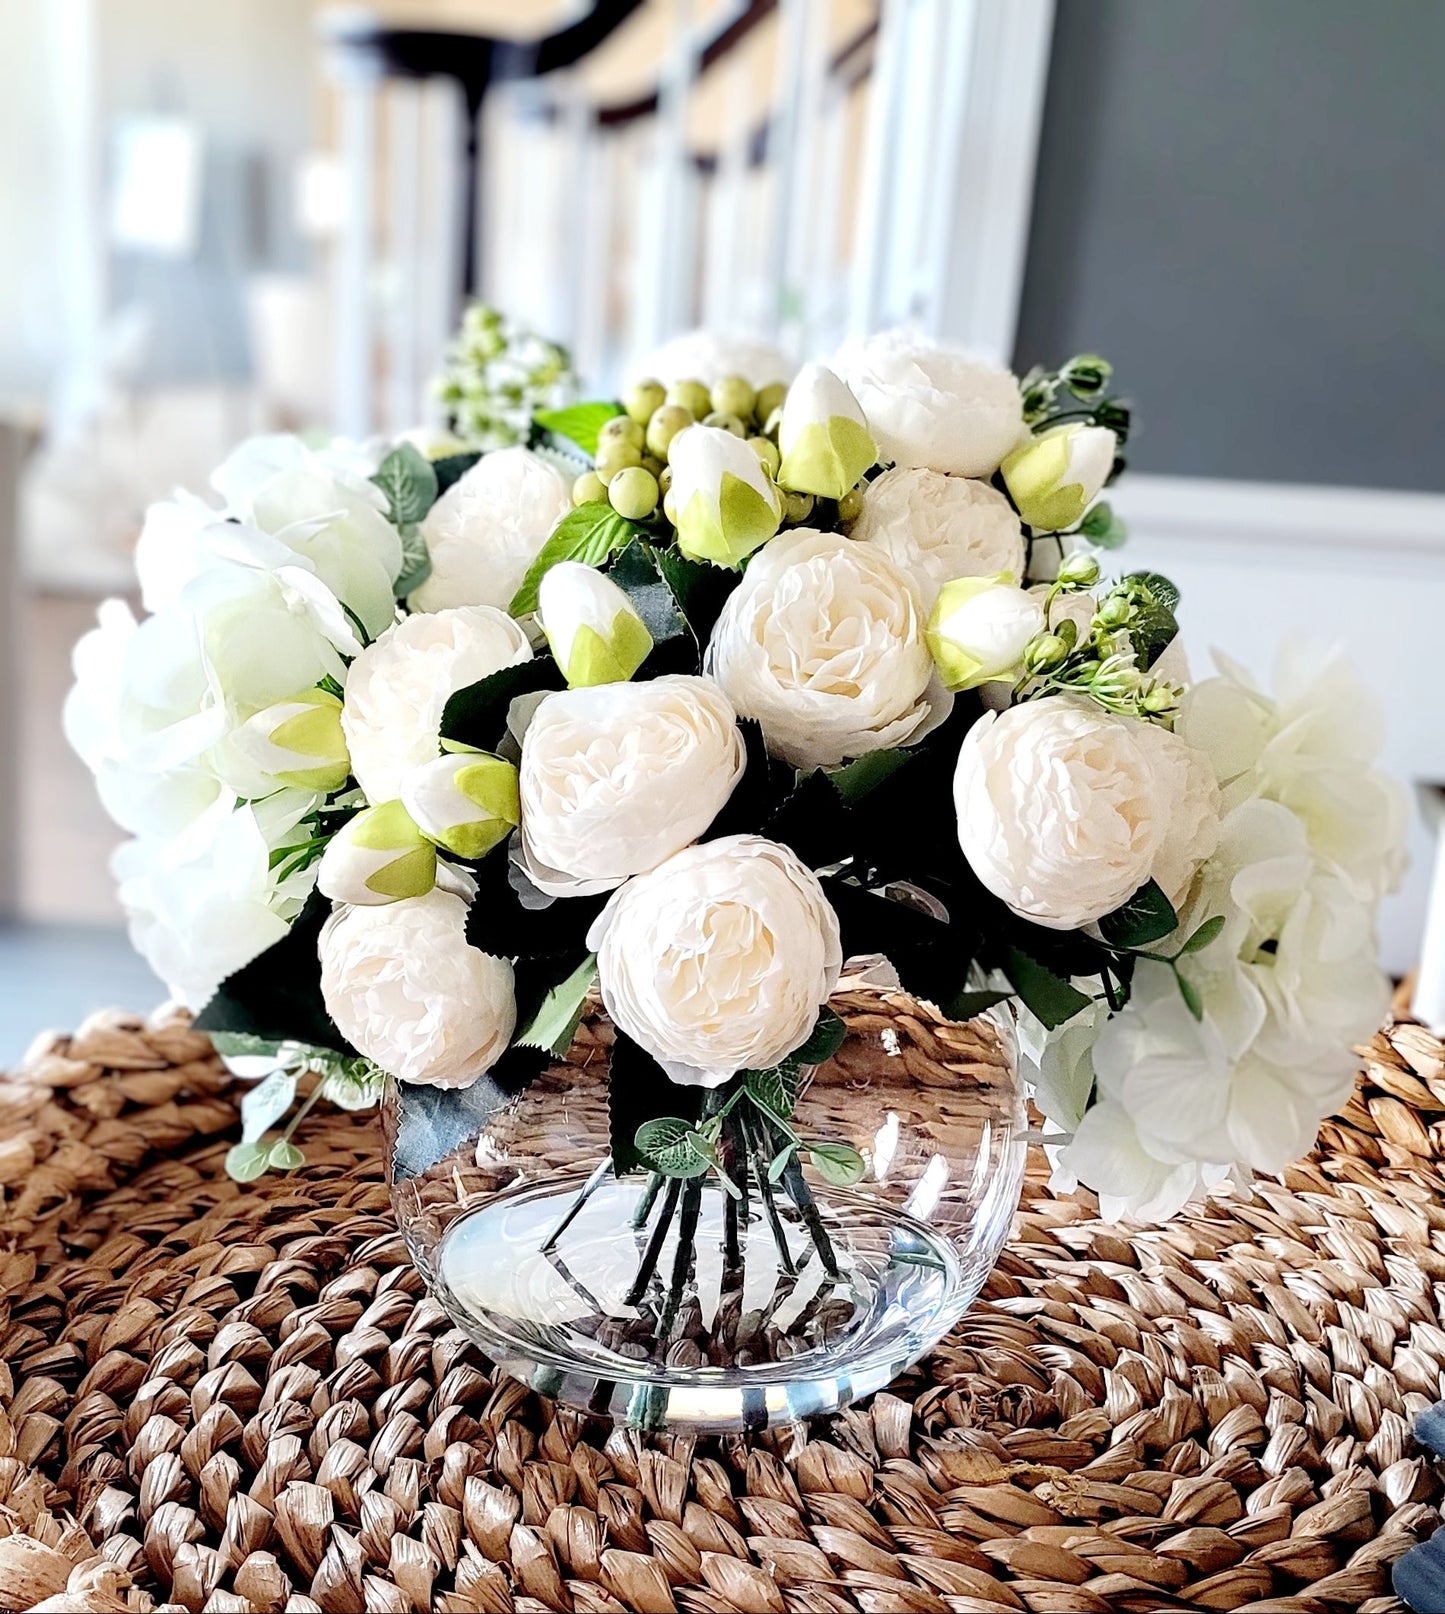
{"points": [[266, 214]]}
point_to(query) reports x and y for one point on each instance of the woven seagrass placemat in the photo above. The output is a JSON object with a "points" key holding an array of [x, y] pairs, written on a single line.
{"points": [[228, 1397]]}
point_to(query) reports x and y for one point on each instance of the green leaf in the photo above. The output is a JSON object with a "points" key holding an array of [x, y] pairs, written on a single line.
{"points": [[477, 715], [1050, 998], [266, 1103], [247, 1161], [700, 590], [409, 481], [671, 1146], [1190, 993], [415, 562], [640, 1090], [779, 1163], [838, 1164], [776, 1088], [1144, 918], [1159, 586], [1103, 528], [285, 1156], [555, 1023], [824, 1040], [1203, 936], [1153, 630], [451, 468], [589, 534], [966, 1004], [580, 423], [855, 779], [636, 573], [242, 1045]]}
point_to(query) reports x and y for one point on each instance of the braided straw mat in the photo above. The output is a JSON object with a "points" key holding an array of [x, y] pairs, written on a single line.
{"points": [[225, 1397]]}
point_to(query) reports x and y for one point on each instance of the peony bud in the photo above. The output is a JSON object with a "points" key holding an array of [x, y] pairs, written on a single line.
{"points": [[1055, 478], [727, 505], [298, 742], [466, 802], [595, 634], [980, 628], [1079, 570], [824, 438], [378, 856]]}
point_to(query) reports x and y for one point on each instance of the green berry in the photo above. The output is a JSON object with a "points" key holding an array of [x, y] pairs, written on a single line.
{"points": [[616, 456], [633, 493], [588, 488], [727, 423], [664, 479], [768, 399], [664, 426], [734, 396], [692, 396], [650, 462], [644, 399], [850, 506], [797, 507], [767, 452], [622, 429]]}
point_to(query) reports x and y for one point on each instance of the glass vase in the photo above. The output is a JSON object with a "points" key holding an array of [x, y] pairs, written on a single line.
{"points": [[740, 1298]]}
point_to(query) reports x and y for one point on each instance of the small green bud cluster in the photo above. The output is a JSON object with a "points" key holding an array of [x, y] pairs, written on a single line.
{"points": [[1077, 391], [497, 374]]}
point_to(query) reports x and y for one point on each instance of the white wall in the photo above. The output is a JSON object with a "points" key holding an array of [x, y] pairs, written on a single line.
{"points": [[1258, 561]]}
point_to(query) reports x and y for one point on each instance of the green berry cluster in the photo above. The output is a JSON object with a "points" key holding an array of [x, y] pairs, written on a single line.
{"points": [[498, 374]]}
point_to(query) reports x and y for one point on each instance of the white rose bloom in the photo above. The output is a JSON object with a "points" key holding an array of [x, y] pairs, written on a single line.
{"points": [[712, 356], [408, 991], [1188, 806], [1059, 809], [397, 688], [487, 529], [203, 902], [932, 405], [618, 777], [720, 959], [936, 528], [1313, 748], [822, 642]]}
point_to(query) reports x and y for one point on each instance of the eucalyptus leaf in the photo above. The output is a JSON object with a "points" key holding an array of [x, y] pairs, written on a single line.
{"points": [[266, 1103], [824, 1040], [285, 1156], [555, 1023], [247, 1161], [579, 423], [588, 534], [409, 481], [1203, 936], [838, 1164], [1103, 528], [1146, 917], [776, 1088]]}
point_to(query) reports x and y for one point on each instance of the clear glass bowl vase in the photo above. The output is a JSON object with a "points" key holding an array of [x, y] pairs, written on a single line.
{"points": [[671, 1304]]}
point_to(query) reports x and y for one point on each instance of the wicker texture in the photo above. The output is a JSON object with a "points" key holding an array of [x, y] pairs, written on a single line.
{"points": [[240, 1398]]}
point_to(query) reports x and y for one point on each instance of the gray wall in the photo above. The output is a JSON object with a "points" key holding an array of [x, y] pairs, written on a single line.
{"points": [[1242, 204]]}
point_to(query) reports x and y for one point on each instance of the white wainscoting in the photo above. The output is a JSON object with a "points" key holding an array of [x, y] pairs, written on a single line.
{"points": [[1256, 561]]}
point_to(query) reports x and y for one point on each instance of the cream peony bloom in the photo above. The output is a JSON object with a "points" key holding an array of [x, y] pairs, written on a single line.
{"points": [[1059, 809], [487, 529], [935, 528], [719, 959], [616, 778], [932, 405], [397, 688], [1188, 806], [822, 642], [409, 992]]}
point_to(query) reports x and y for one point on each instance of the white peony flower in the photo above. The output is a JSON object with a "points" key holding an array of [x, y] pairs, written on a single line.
{"points": [[1059, 809], [1312, 748], [719, 959], [1188, 807], [408, 991], [823, 437], [595, 633], [397, 688], [712, 356], [1056, 476], [980, 628], [932, 405], [936, 528], [487, 529], [822, 642], [203, 902], [617, 778], [726, 502]]}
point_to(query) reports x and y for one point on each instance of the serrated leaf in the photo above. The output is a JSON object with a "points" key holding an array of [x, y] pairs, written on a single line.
{"points": [[266, 1103], [1159, 586], [1146, 917], [285, 1156], [555, 1023], [588, 534], [636, 573], [579, 423], [838, 1164], [415, 562], [477, 715], [1190, 993], [968, 1003], [247, 1161], [700, 589], [855, 779], [409, 481], [1050, 998], [671, 1146], [1203, 936]]}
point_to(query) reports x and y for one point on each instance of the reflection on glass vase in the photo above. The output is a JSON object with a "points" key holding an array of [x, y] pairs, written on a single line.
{"points": [[836, 1234]]}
